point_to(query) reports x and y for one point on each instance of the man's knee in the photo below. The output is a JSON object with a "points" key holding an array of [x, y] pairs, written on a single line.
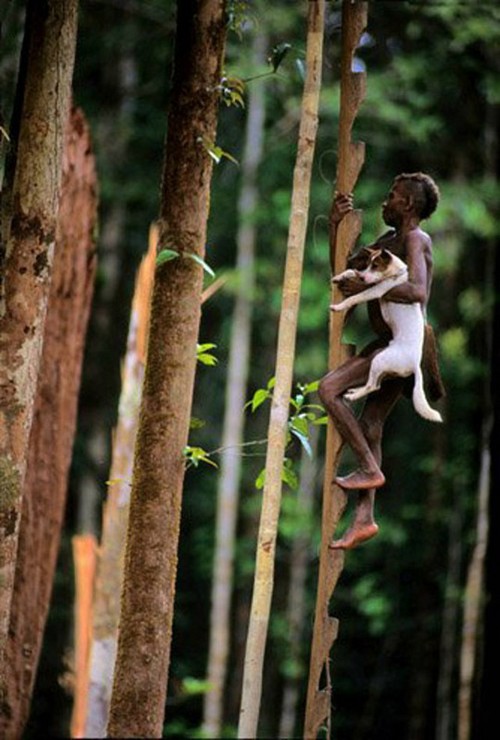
{"points": [[328, 389]]}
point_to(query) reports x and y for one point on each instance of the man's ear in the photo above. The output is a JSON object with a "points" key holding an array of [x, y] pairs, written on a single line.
{"points": [[410, 202]]}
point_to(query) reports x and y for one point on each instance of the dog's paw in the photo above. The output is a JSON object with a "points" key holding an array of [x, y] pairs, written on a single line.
{"points": [[353, 394], [336, 307]]}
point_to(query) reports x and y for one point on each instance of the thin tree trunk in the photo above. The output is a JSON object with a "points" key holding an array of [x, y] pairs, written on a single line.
{"points": [[106, 611], [350, 161], [28, 262], [142, 663], [296, 607], [445, 704], [266, 544], [54, 423], [474, 596], [232, 436]]}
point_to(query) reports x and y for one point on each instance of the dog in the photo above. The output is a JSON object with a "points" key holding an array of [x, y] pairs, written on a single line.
{"points": [[381, 270]]}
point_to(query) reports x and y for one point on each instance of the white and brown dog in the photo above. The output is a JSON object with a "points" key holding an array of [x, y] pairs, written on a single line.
{"points": [[403, 355]]}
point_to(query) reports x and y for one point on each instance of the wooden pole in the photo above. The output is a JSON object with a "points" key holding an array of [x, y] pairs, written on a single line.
{"points": [[271, 501], [349, 163]]}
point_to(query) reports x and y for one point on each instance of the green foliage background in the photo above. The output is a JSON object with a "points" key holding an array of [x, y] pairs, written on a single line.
{"points": [[432, 104]]}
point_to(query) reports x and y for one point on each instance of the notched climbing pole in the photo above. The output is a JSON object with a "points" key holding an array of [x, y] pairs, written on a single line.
{"points": [[350, 160]]}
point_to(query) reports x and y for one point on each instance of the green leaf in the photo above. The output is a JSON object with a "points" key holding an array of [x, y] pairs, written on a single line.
{"points": [[259, 397], [166, 255], [310, 387], [278, 54], [299, 424], [194, 686], [195, 455], [260, 480], [200, 261], [289, 476], [207, 359]]}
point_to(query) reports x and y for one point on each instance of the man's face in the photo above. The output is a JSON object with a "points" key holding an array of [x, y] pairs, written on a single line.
{"points": [[394, 204]]}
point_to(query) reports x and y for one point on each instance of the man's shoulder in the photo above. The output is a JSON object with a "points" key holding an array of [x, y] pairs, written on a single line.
{"points": [[418, 239]]}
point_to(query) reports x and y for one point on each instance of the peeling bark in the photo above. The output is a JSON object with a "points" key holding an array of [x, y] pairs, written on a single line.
{"points": [[116, 510]]}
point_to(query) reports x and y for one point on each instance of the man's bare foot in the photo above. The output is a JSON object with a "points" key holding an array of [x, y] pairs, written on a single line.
{"points": [[354, 536], [362, 480]]}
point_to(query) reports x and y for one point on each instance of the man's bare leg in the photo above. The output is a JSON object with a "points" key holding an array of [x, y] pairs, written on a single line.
{"points": [[377, 408], [352, 373]]}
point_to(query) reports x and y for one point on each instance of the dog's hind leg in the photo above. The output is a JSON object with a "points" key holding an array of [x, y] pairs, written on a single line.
{"points": [[377, 371]]}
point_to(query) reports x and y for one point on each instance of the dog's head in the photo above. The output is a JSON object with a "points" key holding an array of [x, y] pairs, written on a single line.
{"points": [[379, 264]]}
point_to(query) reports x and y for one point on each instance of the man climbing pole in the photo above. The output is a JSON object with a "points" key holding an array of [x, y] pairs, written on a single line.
{"points": [[412, 198]]}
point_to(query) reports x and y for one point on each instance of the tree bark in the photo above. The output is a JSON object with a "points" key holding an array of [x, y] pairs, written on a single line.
{"points": [[141, 671], [266, 544], [106, 611], [54, 423], [350, 161], [28, 261], [237, 377]]}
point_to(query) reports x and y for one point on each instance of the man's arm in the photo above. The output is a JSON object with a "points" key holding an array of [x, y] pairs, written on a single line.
{"points": [[384, 287], [414, 290]]}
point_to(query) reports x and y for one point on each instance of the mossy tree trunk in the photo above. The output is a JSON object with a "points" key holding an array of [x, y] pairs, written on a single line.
{"points": [[278, 423], [54, 423], [143, 656], [29, 238]]}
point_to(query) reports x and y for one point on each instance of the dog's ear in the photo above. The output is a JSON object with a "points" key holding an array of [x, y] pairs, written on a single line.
{"points": [[385, 256], [381, 260], [361, 259]]}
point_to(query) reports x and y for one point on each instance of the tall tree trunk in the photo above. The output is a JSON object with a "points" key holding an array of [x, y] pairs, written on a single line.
{"points": [[54, 423], [28, 262], [350, 161], [237, 377], [475, 584], [141, 671], [106, 611], [266, 544], [474, 592], [445, 703]]}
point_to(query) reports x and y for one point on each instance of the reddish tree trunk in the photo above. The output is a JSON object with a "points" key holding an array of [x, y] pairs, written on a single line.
{"points": [[54, 423]]}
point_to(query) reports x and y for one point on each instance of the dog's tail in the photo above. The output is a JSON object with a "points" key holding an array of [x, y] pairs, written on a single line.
{"points": [[420, 402]]}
